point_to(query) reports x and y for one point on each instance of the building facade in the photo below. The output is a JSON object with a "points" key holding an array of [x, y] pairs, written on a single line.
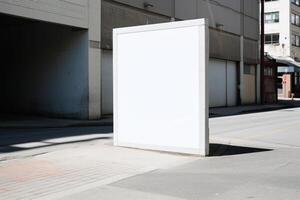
{"points": [[234, 35], [282, 28], [59, 53], [282, 41]]}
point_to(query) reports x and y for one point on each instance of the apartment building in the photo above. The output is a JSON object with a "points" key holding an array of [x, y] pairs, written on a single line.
{"points": [[282, 28], [57, 55], [282, 42]]}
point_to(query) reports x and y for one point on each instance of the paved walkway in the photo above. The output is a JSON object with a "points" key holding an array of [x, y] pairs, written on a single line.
{"points": [[73, 170]]}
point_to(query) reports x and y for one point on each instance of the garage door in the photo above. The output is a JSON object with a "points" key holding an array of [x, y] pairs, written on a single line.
{"points": [[222, 83]]}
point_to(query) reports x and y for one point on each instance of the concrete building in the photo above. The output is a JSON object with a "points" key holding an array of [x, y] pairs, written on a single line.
{"points": [[58, 54], [282, 42], [234, 35]]}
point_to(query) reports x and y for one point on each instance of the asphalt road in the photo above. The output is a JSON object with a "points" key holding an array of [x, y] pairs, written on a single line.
{"points": [[259, 159], [278, 128]]}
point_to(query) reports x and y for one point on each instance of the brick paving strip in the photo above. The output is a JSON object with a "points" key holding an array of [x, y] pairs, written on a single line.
{"points": [[60, 173]]}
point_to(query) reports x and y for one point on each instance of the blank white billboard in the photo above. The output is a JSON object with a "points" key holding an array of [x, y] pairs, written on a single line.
{"points": [[160, 87]]}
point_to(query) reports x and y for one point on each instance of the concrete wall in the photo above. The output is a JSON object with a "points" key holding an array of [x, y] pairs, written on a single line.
{"points": [[47, 70], [69, 12], [218, 13], [115, 15], [221, 42], [223, 13], [251, 19], [251, 53], [165, 7], [228, 20]]}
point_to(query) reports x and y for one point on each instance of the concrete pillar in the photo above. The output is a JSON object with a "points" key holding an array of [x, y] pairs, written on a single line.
{"points": [[94, 66], [258, 86], [242, 70], [242, 53]]}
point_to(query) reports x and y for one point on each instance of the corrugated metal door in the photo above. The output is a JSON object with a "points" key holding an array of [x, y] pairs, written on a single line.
{"points": [[217, 83], [222, 83]]}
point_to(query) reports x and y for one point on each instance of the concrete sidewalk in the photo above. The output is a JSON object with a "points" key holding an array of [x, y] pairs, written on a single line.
{"points": [[239, 110], [65, 172]]}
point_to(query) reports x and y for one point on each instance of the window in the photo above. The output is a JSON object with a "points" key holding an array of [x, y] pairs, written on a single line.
{"points": [[272, 38], [249, 69], [295, 40], [295, 19], [272, 17], [268, 71], [296, 2]]}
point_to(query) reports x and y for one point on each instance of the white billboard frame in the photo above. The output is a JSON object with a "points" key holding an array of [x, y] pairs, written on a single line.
{"points": [[132, 124]]}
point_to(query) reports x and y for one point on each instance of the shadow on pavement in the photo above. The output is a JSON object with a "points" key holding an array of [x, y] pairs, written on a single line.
{"points": [[18, 121], [11, 140], [229, 150], [11, 148]]}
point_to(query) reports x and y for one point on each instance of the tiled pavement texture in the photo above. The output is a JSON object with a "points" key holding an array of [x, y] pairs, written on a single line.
{"points": [[68, 171]]}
